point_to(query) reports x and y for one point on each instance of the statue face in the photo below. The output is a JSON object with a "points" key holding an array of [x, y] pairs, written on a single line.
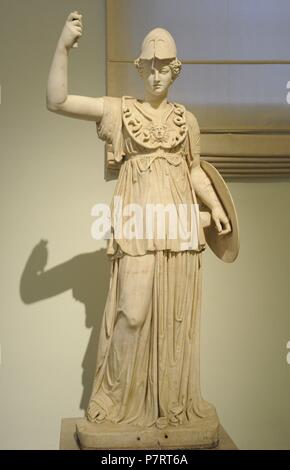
{"points": [[157, 76]]}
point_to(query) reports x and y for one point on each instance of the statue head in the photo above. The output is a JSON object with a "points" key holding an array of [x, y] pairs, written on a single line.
{"points": [[158, 64]]}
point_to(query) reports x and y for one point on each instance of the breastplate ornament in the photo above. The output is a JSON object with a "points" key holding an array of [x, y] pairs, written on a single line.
{"points": [[150, 132]]}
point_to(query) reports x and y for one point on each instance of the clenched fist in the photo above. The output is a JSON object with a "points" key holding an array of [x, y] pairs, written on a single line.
{"points": [[72, 30]]}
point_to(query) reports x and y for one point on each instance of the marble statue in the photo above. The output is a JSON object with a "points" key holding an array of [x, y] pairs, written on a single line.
{"points": [[146, 391]]}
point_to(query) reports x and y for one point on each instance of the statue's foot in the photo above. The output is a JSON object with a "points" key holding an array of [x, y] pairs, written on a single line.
{"points": [[95, 412]]}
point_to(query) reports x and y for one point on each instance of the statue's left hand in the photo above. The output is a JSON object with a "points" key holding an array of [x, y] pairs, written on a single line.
{"points": [[221, 221]]}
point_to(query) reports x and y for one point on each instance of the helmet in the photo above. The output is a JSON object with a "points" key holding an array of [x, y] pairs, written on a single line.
{"points": [[158, 43]]}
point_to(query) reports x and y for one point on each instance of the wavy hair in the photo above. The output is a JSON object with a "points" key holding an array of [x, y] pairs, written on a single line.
{"points": [[175, 66]]}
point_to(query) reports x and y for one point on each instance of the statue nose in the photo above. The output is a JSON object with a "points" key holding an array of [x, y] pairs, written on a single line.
{"points": [[156, 75]]}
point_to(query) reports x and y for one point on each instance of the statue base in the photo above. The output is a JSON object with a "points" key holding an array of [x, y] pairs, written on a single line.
{"points": [[202, 434]]}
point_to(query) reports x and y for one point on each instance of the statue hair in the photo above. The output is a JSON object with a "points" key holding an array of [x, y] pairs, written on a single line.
{"points": [[174, 64]]}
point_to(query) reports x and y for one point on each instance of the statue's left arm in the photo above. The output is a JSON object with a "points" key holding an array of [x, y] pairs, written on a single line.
{"points": [[202, 183]]}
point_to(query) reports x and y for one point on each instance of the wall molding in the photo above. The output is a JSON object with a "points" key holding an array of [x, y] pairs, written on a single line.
{"points": [[215, 62]]}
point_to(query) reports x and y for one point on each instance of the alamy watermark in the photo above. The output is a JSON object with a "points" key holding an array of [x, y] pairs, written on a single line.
{"points": [[288, 94], [288, 353], [149, 221]]}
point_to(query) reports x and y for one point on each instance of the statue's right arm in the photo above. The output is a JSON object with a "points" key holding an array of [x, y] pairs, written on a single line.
{"points": [[57, 98]]}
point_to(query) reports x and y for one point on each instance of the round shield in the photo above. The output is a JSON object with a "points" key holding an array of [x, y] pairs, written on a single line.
{"points": [[225, 247]]}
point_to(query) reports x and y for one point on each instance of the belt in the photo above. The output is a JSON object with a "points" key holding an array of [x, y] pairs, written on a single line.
{"points": [[134, 161]]}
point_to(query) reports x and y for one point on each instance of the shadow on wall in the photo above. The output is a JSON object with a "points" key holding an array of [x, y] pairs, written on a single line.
{"points": [[86, 275]]}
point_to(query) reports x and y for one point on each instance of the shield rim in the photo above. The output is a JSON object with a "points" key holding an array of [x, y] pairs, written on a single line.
{"points": [[216, 242]]}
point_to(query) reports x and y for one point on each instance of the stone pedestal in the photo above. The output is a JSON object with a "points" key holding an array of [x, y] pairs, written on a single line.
{"points": [[78, 433]]}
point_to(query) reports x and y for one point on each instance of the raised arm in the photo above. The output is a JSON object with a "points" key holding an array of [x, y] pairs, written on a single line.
{"points": [[57, 98]]}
